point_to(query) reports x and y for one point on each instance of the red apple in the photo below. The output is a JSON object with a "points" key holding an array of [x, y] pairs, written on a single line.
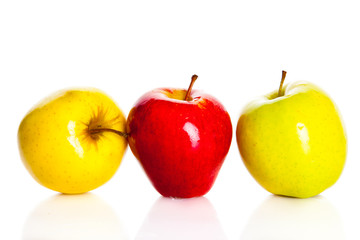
{"points": [[181, 138]]}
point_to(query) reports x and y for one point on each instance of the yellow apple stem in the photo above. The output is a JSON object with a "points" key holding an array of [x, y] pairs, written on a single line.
{"points": [[193, 79], [99, 130], [282, 83]]}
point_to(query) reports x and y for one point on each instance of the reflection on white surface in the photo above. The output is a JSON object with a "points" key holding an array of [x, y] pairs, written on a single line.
{"points": [[83, 216], [188, 219], [291, 218]]}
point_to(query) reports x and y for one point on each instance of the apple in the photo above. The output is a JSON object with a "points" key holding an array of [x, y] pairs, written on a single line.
{"points": [[292, 140], [73, 141], [181, 138]]}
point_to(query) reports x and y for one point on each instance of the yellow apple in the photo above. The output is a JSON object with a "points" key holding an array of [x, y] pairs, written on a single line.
{"points": [[73, 141], [293, 141]]}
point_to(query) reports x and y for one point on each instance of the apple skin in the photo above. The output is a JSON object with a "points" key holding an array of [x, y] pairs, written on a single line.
{"points": [[293, 145], [57, 148], [180, 144]]}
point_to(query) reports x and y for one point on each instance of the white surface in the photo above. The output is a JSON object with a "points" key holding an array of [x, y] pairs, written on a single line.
{"points": [[125, 48]]}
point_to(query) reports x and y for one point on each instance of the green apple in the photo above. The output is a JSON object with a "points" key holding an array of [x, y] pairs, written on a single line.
{"points": [[73, 142], [293, 140]]}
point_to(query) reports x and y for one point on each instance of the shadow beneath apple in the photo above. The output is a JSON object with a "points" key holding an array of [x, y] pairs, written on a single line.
{"points": [[193, 218], [292, 218], [84, 216]]}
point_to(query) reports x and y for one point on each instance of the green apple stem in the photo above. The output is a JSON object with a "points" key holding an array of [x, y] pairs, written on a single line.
{"points": [[282, 83], [193, 79], [99, 130]]}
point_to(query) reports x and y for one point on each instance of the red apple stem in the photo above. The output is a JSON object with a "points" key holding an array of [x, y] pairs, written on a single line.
{"points": [[193, 79], [282, 83], [99, 130]]}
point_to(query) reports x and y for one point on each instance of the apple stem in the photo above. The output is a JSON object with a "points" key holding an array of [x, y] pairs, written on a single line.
{"points": [[99, 130], [193, 79], [282, 83]]}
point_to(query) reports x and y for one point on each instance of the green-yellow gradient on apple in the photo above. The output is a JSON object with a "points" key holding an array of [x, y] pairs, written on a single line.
{"points": [[71, 141], [293, 141]]}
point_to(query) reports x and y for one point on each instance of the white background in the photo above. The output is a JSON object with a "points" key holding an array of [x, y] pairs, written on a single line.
{"points": [[126, 48]]}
